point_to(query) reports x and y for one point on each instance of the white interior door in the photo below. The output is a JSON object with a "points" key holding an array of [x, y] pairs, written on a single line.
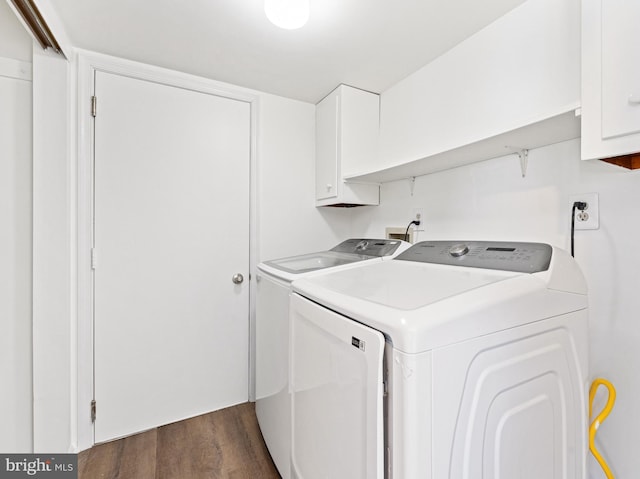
{"points": [[171, 230]]}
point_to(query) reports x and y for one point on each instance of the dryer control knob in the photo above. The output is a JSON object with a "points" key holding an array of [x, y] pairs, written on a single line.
{"points": [[458, 250], [362, 245]]}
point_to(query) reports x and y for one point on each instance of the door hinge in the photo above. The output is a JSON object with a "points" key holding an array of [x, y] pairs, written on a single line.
{"points": [[94, 258], [93, 410], [94, 106]]}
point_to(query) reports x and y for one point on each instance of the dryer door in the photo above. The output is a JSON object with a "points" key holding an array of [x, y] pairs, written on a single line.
{"points": [[336, 377]]}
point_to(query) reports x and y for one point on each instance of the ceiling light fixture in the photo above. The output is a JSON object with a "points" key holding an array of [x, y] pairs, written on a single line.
{"points": [[287, 14]]}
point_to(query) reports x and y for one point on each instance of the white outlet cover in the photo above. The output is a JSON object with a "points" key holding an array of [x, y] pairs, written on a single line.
{"points": [[593, 210], [420, 212]]}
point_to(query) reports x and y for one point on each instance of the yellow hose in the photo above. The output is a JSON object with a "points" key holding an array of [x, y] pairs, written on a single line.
{"points": [[600, 419]]}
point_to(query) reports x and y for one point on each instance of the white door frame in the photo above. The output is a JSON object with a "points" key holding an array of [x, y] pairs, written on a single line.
{"points": [[88, 63]]}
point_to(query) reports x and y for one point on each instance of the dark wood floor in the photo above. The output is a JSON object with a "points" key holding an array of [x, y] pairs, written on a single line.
{"points": [[222, 444]]}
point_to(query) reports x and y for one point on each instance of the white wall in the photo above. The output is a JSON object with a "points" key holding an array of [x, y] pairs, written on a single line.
{"points": [[491, 200], [15, 235], [15, 42], [289, 223]]}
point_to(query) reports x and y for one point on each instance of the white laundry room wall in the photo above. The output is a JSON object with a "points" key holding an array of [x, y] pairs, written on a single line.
{"points": [[491, 200], [15, 42], [288, 222], [15, 235]]}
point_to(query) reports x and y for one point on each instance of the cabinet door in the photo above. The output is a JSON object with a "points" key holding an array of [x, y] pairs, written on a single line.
{"points": [[610, 79], [327, 123], [620, 68]]}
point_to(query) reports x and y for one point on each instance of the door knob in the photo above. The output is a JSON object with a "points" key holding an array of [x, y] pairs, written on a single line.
{"points": [[237, 278]]}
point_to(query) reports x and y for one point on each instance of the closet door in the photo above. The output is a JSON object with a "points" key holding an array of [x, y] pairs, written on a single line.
{"points": [[171, 236], [16, 413]]}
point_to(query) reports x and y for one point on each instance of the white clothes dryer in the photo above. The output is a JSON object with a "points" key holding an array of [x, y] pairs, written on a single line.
{"points": [[452, 361], [273, 400]]}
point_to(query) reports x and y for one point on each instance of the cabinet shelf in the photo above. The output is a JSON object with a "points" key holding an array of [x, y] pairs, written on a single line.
{"points": [[560, 127]]}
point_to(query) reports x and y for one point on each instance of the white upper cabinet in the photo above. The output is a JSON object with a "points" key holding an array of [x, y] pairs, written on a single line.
{"points": [[347, 123], [513, 85], [610, 78]]}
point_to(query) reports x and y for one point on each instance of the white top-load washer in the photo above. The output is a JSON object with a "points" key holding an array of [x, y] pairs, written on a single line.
{"points": [[452, 361], [272, 330]]}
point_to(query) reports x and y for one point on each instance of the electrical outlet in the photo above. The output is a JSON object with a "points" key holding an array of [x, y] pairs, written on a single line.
{"points": [[589, 218], [418, 214]]}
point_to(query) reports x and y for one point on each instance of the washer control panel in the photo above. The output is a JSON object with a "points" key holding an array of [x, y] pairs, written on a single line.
{"points": [[502, 255], [368, 247]]}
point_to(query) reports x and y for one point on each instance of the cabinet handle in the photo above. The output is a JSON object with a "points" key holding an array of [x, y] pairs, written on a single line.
{"points": [[633, 101], [329, 186]]}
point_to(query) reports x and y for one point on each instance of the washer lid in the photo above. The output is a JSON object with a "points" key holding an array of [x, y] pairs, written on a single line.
{"points": [[401, 285], [422, 306]]}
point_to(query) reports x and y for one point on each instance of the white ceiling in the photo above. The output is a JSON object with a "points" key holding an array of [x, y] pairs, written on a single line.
{"points": [[370, 44], [15, 41]]}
